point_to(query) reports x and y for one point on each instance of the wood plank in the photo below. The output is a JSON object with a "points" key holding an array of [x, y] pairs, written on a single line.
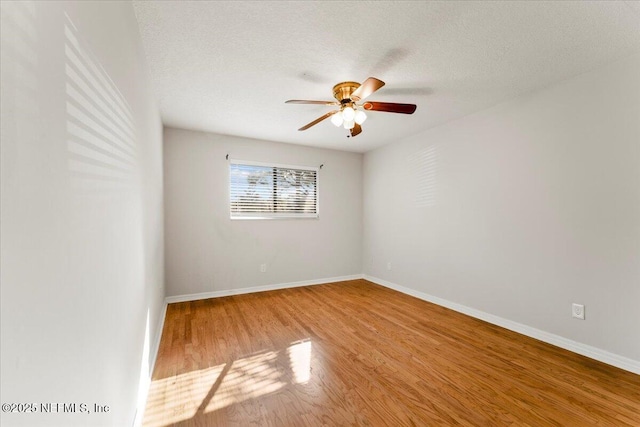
{"points": [[355, 353]]}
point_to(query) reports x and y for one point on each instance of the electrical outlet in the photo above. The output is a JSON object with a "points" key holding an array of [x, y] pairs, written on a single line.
{"points": [[389, 266], [577, 311], [263, 268]]}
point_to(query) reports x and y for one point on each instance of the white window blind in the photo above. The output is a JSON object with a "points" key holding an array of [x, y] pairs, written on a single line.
{"points": [[261, 191]]}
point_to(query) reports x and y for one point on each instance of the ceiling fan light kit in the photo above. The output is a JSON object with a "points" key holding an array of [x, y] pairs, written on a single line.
{"points": [[351, 115], [348, 117], [348, 113]]}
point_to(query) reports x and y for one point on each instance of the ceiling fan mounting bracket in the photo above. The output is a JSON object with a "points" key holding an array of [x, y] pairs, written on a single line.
{"points": [[342, 91]]}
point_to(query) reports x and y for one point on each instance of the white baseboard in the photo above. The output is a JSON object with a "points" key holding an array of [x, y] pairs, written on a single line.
{"points": [[574, 346], [155, 347], [229, 292], [158, 337]]}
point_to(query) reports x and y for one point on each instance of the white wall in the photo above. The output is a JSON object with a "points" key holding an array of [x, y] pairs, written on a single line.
{"points": [[208, 252], [81, 220], [521, 209]]}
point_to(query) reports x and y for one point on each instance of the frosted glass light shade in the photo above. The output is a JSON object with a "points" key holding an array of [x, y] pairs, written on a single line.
{"points": [[349, 124], [348, 114], [336, 119], [360, 117]]}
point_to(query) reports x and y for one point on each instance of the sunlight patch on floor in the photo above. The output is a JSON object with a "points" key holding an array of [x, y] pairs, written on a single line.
{"points": [[178, 398], [193, 393], [300, 361]]}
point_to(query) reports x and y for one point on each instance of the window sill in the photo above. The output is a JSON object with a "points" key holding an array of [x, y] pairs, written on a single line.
{"points": [[269, 217]]}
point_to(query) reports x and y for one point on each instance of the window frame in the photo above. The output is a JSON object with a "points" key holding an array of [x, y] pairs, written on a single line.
{"points": [[273, 215]]}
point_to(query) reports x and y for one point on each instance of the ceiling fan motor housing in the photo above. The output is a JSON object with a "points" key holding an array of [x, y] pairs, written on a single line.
{"points": [[342, 91]]}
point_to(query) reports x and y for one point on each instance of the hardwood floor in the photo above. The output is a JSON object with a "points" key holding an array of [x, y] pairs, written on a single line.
{"points": [[355, 353]]}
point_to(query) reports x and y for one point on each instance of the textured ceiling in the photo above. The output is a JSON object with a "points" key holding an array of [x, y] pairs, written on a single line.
{"points": [[228, 67]]}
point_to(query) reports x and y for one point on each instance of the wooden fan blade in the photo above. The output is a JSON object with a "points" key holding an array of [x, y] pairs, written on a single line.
{"points": [[357, 129], [390, 107], [318, 120], [366, 88], [304, 101]]}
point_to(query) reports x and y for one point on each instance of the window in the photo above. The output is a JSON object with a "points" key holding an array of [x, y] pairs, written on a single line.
{"points": [[261, 191]]}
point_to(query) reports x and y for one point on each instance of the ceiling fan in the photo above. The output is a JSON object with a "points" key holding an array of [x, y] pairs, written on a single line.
{"points": [[350, 114]]}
